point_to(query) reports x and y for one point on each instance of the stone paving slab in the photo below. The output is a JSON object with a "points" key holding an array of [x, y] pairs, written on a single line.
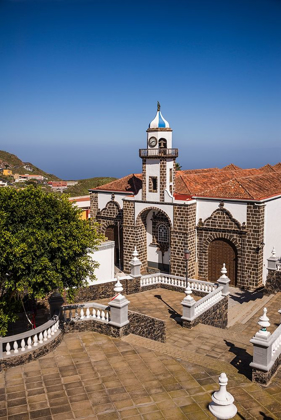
{"points": [[97, 377]]}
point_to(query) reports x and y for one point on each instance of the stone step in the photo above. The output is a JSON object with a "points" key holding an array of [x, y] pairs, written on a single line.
{"points": [[241, 314]]}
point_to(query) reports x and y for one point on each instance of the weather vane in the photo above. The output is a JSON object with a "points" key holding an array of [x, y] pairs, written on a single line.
{"points": [[158, 106]]}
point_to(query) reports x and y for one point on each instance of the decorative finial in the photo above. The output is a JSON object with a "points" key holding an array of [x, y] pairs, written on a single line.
{"points": [[221, 205], [223, 271], [264, 321], [273, 252], [222, 406], [188, 292], [158, 106]]}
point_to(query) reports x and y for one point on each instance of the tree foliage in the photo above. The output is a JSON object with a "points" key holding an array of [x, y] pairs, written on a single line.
{"points": [[43, 246]]}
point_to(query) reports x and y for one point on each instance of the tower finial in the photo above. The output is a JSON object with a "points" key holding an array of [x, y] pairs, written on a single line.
{"points": [[158, 106]]}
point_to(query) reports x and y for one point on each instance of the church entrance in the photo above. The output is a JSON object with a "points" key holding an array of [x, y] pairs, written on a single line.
{"points": [[114, 233], [222, 251]]}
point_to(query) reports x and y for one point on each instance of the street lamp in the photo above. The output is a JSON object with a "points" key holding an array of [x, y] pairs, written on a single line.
{"points": [[186, 256]]}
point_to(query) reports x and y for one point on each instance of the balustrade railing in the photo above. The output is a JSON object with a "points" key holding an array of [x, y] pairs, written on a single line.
{"points": [[89, 310], [15, 345], [276, 343], [208, 301], [160, 278], [158, 152]]}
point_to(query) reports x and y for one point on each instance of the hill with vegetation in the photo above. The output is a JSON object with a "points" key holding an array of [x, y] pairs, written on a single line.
{"points": [[83, 186], [10, 161]]}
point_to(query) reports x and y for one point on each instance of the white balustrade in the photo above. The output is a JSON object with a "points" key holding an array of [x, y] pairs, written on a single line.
{"points": [[160, 278], [208, 301], [92, 310], [29, 340]]}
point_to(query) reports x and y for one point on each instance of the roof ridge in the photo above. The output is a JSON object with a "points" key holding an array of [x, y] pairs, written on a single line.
{"points": [[244, 186]]}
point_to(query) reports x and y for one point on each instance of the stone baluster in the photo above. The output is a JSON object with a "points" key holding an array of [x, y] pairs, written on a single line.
{"points": [[188, 308], [222, 406], [119, 307], [224, 281], [22, 345]]}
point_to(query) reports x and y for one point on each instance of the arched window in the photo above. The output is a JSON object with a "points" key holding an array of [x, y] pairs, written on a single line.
{"points": [[163, 233]]}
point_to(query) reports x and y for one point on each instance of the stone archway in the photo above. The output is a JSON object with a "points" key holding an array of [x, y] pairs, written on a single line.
{"points": [[154, 234], [222, 251]]}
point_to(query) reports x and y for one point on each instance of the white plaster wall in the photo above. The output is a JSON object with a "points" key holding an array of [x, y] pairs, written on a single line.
{"points": [[104, 198], [169, 166], [272, 231], [206, 207], [152, 253], [167, 208], [105, 257], [152, 169], [159, 135]]}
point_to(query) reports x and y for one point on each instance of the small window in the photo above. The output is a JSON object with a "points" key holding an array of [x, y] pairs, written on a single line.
{"points": [[152, 184], [163, 235], [171, 175]]}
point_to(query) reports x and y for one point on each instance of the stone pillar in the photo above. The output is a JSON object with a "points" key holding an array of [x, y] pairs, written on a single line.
{"points": [[188, 308], [55, 301], [222, 406], [262, 345], [119, 308], [224, 281], [272, 261]]}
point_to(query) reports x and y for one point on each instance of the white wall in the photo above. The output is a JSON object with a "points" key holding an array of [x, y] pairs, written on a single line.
{"points": [[169, 166], [206, 207], [159, 135], [272, 231], [105, 257], [167, 208], [104, 198], [152, 169]]}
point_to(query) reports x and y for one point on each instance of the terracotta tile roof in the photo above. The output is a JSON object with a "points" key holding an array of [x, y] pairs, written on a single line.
{"points": [[130, 183], [267, 168], [277, 167], [229, 182], [230, 167], [255, 187]]}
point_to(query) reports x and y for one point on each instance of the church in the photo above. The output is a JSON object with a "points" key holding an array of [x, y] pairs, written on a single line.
{"points": [[229, 215]]}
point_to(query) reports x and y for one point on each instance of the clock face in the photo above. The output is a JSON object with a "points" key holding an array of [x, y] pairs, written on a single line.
{"points": [[152, 141]]}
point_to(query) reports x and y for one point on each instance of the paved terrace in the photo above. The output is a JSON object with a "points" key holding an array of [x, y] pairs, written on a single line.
{"points": [[97, 377]]}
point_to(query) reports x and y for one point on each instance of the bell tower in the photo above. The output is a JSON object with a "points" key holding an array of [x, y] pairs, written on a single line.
{"points": [[158, 161]]}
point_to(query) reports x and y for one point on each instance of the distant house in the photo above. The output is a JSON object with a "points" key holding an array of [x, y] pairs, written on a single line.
{"points": [[83, 202], [3, 183], [27, 177], [58, 185], [7, 172]]}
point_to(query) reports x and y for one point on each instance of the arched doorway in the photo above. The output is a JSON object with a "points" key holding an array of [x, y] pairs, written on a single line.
{"points": [[114, 233], [222, 251]]}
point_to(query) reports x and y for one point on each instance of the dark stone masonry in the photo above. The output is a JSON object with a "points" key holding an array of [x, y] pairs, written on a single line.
{"points": [[216, 316], [273, 282]]}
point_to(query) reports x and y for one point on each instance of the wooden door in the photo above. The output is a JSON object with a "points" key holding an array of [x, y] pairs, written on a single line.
{"points": [[114, 233], [222, 251]]}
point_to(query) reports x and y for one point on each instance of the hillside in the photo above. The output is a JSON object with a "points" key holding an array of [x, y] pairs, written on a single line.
{"points": [[83, 186], [10, 161]]}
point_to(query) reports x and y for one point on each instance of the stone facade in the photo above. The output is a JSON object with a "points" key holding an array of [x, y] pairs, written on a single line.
{"points": [[216, 316], [183, 236], [163, 174]]}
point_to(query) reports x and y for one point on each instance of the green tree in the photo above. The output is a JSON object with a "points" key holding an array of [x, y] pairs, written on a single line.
{"points": [[178, 167], [44, 246]]}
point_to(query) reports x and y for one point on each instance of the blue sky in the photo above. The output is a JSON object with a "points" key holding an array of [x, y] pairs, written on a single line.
{"points": [[80, 81]]}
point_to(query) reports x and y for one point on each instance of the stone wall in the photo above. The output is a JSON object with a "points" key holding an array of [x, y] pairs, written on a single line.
{"points": [[106, 290], [183, 236], [162, 186], [273, 282], [146, 326], [216, 316], [29, 356], [253, 246], [100, 327]]}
